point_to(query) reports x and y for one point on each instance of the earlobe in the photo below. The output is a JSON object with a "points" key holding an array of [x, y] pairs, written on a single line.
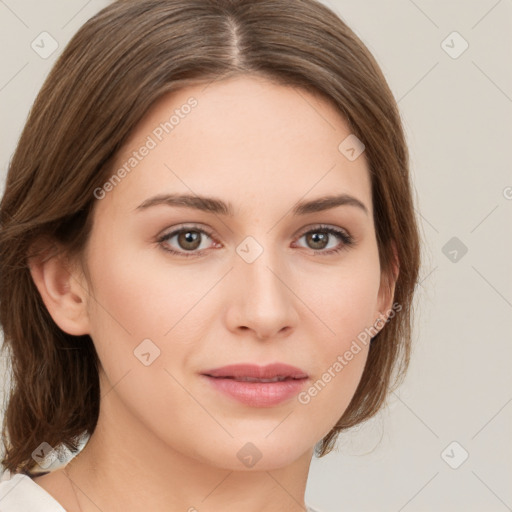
{"points": [[62, 292]]}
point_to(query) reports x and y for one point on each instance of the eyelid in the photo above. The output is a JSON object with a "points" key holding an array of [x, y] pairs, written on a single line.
{"points": [[321, 227], [183, 227]]}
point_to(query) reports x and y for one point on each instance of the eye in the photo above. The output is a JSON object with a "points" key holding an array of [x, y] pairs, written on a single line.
{"points": [[189, 241], [324, 237]]}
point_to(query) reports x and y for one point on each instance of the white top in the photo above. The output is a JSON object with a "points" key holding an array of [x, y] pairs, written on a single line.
{"points": [[19, 493]]}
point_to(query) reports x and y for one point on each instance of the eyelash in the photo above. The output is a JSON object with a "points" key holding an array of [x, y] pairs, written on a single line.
{"points": [[346, 238]]}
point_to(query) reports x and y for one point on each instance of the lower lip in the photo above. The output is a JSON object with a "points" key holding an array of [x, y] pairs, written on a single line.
{"points": [[258, 394]]}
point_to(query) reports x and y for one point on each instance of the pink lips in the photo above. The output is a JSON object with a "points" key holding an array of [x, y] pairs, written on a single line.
{"points": [[258, 386]]}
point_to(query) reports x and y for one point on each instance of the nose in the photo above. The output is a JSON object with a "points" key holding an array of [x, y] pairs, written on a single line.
{"points": [[262, 301]]}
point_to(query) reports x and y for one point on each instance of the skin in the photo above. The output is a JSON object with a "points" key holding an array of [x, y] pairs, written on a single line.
{"points": [[166, 440]]}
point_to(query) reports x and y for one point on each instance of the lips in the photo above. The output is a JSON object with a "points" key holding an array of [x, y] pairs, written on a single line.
{"points": [[257, 386], [253, 373]]}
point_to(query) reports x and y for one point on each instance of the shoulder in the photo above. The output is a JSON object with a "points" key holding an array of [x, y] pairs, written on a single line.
{"points": [[19, 493]]}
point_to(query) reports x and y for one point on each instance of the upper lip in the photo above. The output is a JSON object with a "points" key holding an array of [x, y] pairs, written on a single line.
{"points": [[259, 372]]}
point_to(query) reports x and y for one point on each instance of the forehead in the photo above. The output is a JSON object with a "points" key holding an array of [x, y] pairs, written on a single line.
{"points": [[245, 139]]}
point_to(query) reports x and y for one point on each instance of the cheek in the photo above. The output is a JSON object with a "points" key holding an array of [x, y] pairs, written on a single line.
{"points": [[139, 297], [140, 308], [344, 300], [344, 304]]}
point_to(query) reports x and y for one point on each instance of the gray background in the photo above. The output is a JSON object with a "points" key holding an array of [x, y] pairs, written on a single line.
{"points": [[457, 112]]}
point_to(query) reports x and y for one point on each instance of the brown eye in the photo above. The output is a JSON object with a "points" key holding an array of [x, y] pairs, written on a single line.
{"points": [[186, 241], [327, 237], [317, 240], [189, 240]]}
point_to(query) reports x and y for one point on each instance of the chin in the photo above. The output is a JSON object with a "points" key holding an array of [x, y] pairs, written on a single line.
{"points": [[257, 453]]}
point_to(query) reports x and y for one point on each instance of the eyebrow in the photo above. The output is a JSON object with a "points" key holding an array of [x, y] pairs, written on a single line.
{"points": [[220, 207]]}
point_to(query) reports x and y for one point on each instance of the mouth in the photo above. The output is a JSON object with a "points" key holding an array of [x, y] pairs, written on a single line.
{"points": [[257, 386]]}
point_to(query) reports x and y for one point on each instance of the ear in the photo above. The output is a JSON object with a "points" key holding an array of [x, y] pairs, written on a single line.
{"points": [[62, 288], [387, 289]]}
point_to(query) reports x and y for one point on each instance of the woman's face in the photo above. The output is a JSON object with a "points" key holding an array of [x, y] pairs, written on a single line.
{"points": [[258, 275]]}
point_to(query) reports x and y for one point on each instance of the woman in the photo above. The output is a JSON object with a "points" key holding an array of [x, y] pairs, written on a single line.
{"points": [[208, 255]]}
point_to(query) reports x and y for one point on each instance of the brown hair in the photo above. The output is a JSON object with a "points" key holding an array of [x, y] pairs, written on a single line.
{"points": [[111, 72]]}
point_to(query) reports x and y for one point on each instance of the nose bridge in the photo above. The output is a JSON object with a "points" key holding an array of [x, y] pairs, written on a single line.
{"points": [[264, 301]]}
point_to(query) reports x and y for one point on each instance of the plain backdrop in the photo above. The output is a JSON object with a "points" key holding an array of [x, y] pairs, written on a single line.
{"points": [[443, 442]]}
